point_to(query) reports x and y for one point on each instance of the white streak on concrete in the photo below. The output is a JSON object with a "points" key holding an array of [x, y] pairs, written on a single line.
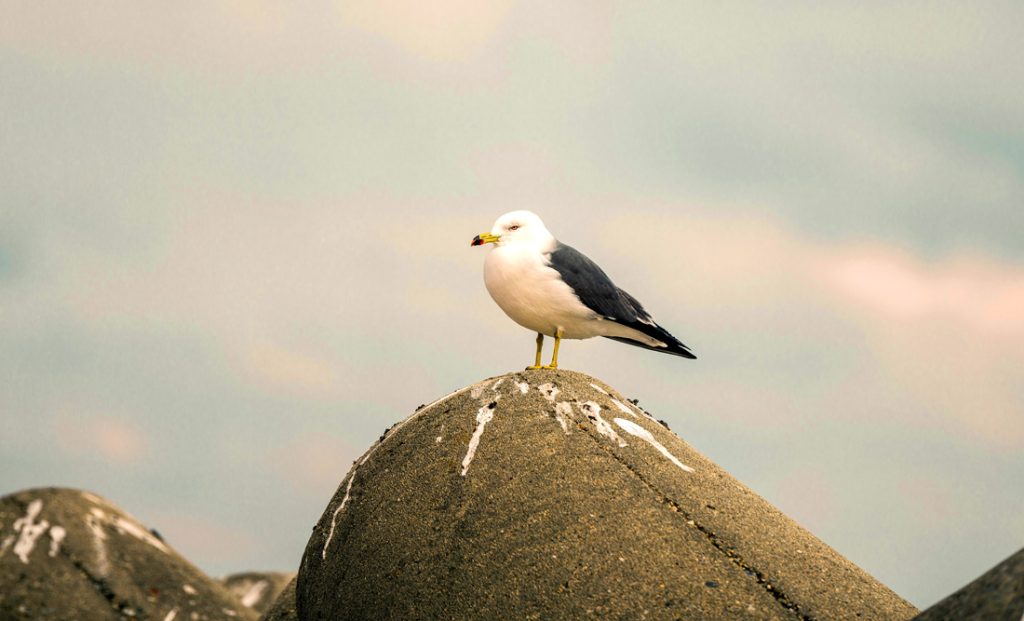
{"points": [[549, 390], [476, 388], [443, 399], [94, 523], [229, 612], [30, 530], [97, 500], [636, 430], [483, 416], [57, 534], [563, 413], [598, 389], [171, 615], [593, 412], [252, 596], [341, 506], [495, 385], [188, 588], [524, 387], [623, 408], [5, 544], [438, 439], [125, 526], [138, 531]]}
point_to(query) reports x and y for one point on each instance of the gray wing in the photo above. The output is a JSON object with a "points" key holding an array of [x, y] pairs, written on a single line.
{"points": [[591, 285], [598, 293]]}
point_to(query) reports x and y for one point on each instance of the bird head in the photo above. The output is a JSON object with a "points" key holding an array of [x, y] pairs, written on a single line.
{"points": [[516, 227]]}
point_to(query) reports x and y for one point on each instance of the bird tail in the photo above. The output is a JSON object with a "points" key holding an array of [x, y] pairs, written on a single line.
{"points": [[672, 345]]}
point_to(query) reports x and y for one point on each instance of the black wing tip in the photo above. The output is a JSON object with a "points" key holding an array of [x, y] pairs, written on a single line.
{"points": [[673, 349]]}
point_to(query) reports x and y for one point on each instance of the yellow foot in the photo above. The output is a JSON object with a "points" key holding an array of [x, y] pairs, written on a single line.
{"points": [[533, 368], [549, 366]]}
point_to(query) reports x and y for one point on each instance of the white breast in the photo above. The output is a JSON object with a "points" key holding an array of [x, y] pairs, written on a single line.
{"points": [[533, 294]]}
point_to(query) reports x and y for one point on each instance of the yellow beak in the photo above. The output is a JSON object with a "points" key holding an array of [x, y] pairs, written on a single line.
{"points": [[484, 238]]}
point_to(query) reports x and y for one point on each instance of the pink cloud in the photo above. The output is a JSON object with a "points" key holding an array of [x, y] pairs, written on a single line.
{"points": [[289, 370], [200, 540], [108, 438], [980, 293], [939, 341], [314, 462]]}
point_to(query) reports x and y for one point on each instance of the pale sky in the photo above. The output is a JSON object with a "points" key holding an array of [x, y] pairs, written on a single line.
{"points": [[234, 248]]}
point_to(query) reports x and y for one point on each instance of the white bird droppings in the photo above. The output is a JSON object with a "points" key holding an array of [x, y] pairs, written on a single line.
{"points": [[549, 390], [57, 534], [636, 430], [593, 412], [524, 387], [623, 407], [483, 416], [92, 522], [252, 596], [5, 544], [123, 526], [128, 526], [171, 615], [29, 529], [495, 385], [188, 588], [598, 389], [563, 413], [344, 501]]}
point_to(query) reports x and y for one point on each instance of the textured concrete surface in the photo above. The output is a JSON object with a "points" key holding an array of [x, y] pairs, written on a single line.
{"points": [[257, 590], [997, 595], [283, 608], [545, 494], [67, 554]]}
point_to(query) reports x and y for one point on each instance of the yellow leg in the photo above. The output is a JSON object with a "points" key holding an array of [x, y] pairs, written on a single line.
{"points": [[540, 346], [554, 355]]}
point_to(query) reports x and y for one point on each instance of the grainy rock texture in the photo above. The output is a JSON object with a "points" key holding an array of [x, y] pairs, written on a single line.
{"points": [[67, 554], [283, 608], [257, 590], [545, 494], [997, 595]]}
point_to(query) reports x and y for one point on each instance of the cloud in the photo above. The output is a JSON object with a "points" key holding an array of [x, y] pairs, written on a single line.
{"points": [[289, 370], [195, 537], [976, 292], [314, 462], [445, 30], [101, 437], [936, 343]]}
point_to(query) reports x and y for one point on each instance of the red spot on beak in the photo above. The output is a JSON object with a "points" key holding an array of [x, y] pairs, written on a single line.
{"points": [[476, 241]]}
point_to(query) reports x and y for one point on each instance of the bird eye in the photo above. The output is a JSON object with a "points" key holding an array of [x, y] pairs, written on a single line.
{"points": [[513, 227]]}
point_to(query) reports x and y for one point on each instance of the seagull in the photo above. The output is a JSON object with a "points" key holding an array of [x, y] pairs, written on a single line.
{"points": [[555, 290]]}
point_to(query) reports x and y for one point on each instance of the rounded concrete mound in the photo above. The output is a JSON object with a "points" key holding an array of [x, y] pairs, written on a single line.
{"points": [[547, 495], [71, 555], [996, 594]]}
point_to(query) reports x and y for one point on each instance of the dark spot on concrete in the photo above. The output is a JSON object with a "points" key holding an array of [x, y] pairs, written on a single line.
{"points": [[712, 584]]}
